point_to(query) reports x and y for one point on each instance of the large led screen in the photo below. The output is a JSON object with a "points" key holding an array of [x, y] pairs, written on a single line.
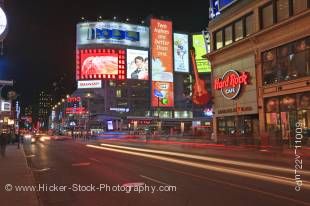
{"points": [[180, 42], [101, 64], [162, 60], [137, 64], [203, 65], [107, 32]]}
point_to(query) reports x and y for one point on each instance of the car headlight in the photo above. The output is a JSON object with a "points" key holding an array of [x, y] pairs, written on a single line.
{"points": [[28, 136], [33, 140]]}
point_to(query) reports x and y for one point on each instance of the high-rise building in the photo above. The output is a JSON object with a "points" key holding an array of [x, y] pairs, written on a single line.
{"points": [[44, 107], [28, 111]]}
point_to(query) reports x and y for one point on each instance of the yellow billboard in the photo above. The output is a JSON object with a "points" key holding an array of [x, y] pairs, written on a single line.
{"points": [[203, 65]]}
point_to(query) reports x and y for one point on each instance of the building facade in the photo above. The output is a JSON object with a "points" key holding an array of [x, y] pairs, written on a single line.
{"points": [[260, 56], [44, 108], [128, 91]]}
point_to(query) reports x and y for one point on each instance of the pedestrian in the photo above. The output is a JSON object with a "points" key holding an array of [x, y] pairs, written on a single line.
{"points": [[3, 142], [12, 137], [18, 140]]}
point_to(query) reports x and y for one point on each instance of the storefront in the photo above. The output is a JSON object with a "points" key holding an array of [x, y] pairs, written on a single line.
{"points": [[286, 96], [235, 102], [276, 36]]}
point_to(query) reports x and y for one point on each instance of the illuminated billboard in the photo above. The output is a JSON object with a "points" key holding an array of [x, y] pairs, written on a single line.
{"points": [[5, 106], [101, 64], [162, 94], [3, 24], [223, 4], [108, 32], [137, 64], [89, 84], [162, 64], [180, 42], [203, 65]]}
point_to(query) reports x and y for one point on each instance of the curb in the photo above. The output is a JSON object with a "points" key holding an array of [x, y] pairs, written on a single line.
{"points": [[38, 202]]}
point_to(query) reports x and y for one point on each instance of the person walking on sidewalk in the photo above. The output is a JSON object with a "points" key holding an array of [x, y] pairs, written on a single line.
{"points": [[18, 140], [4, 138]]}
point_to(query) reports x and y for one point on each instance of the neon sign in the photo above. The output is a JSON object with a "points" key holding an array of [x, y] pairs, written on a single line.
{"points": [[75, 110], [74, 99], [230, 83]]}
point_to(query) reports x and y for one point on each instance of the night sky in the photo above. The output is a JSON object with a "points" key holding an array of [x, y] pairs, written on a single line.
{"points": [[40, 46]]}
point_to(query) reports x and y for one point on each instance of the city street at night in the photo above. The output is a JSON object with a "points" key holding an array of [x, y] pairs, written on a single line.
{"points": [[155, 102], [196, 182]]}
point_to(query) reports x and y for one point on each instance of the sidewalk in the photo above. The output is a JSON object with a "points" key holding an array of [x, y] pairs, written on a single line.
{"points": [[15, 171]]}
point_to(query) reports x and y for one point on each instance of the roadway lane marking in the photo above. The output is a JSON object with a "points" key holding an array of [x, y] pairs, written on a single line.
{"points": [[210, 159], [95, 160], [154, 180], [41, 170], [80, 164], [221, 169], [236, 186]]}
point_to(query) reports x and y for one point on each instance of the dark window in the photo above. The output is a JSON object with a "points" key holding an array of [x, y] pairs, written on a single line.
{"points": [[267, 16], [228, 35], [249, 25], [238, 30], [299, 5], [282, 9]]}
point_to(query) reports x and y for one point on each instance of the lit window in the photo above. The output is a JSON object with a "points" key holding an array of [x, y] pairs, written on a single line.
{"points": [[249, 25], [219, 39], [238, 30], [118, 93], [228, 35]]}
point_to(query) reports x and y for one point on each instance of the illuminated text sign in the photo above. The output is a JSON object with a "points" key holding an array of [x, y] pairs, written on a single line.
{"points": [[230, 84]]}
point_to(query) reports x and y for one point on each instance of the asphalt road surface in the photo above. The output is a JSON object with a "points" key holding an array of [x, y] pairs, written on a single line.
{"points": [[70, 173]]}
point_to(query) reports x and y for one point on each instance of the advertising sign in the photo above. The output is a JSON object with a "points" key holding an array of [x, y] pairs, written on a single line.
{"points": [[231, 82], [222, 4], [89, 84], [203, 65], [137, 64], [75, 110], [180, 42], [107, 32], [110, 125], [162, 63], [162, 94], [101, 64], [5, 106], [3, 24]]}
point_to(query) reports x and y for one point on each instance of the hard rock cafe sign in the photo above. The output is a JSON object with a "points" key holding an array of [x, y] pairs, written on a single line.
{"points": [[231, 82]]}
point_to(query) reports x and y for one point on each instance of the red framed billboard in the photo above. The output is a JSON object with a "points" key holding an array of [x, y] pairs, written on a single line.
{"points": [[100, 64]]}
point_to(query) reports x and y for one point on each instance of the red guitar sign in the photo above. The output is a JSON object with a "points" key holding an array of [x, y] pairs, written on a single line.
{"points": [[200, 94]]}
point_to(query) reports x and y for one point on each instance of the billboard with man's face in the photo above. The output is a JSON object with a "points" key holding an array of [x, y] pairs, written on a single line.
{"points": [[137, 64]]}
